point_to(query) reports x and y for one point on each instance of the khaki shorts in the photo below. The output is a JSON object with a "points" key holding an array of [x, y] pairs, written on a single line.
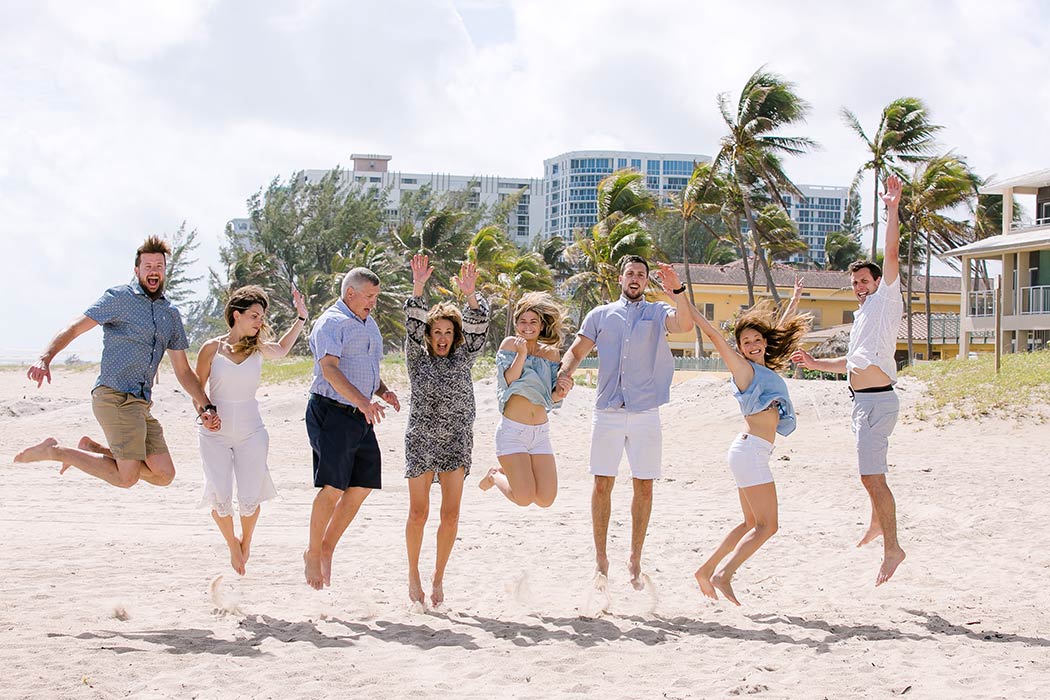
{"points": [[132, 433]]}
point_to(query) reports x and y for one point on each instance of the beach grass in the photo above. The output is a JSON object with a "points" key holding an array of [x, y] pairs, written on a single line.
{"points": [[970, 388]]}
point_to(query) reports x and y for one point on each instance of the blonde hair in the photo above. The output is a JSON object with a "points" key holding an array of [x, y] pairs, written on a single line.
{"points": [[782, 337], [551, 315], [445, 311], [241, 300]]}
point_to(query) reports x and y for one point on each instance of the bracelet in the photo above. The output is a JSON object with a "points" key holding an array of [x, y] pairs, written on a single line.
{"points": [[303, 319], [679, 290], [208, 407]]}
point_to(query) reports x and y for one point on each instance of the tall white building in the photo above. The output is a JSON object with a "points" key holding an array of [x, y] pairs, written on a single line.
{"points": [[819, 213], [524, 223], [570, 183]]}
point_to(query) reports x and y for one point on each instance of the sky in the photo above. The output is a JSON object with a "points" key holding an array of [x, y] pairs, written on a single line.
{"points": [[120, 119]]}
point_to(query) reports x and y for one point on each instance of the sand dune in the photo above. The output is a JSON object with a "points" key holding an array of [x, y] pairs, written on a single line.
{"points": [[111, 594]]}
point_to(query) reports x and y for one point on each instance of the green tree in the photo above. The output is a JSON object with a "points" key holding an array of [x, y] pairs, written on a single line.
{"points": [[904, 134], [752, 149], [506, 272], [178, 283], [842, 247]]}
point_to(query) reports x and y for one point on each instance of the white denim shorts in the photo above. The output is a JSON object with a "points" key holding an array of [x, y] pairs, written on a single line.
{"points": [[749, 460], [614, 431], [513, 437]]}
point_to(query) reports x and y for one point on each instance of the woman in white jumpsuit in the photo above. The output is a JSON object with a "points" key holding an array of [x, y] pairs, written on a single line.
{"points": [[231, 366]]}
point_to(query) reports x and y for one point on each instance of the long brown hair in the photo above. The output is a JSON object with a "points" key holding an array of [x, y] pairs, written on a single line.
{"points": [[241, 300], [782, 337], [551, 316]]}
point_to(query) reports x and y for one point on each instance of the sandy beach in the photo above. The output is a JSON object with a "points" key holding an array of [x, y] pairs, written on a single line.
{"points": [[111, 594]]}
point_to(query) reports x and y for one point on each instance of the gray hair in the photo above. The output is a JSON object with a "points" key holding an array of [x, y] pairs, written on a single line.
{"points": [[355, 278]]}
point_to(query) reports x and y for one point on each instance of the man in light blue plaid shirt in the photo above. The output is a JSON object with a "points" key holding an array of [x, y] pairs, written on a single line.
{"points": [[341, 416], [139, 327]]}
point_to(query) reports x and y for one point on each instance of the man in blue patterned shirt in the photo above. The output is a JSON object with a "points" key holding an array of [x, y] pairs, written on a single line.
{"points": [[139, 326], [341, 414]]}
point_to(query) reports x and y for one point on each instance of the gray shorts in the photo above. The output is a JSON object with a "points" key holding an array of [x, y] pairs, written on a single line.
{"points": [[874, 416]]}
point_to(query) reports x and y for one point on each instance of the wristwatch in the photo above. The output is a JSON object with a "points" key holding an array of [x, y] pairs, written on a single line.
{"points": [[679, 290]]}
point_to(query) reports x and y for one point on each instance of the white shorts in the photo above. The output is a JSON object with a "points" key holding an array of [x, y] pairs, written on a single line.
{"points": [[637, 432], [513, 437], [749, 460]]}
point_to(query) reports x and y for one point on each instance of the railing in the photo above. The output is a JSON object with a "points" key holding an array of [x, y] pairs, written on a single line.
{"points": [[982, 303], [1035, 300], [696, 364], [1022, 225]]}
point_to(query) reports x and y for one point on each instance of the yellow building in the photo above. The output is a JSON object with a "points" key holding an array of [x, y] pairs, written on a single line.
{"points": [[721, 292]]}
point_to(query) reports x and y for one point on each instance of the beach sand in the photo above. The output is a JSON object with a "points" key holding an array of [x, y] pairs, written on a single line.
{"points": [[107, 593]]}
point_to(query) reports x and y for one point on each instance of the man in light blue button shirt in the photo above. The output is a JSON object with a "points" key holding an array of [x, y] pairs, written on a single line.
{"points": [[635, 369]]}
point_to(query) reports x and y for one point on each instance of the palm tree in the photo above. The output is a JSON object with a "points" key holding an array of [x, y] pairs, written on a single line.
{"points": [[396, 284], [598, 256], [843, 247], [905, 134], [935, 188], [752, 149], [507, 272]]}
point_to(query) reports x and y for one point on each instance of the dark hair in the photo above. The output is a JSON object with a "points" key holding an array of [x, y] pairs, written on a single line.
{"points": [[241, 300], [445, 311], [782, 337], [875, 270], [153, 244], [628, 259]]}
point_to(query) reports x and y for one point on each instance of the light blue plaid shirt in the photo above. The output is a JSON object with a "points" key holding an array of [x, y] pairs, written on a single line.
{"points": [[635, 366], [136, 330], [358, 345]]}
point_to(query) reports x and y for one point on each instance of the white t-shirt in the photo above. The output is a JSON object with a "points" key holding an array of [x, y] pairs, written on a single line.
{"points": [[873, 338]]}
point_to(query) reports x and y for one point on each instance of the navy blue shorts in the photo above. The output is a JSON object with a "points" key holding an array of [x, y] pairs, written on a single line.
{"points": [[346, 453]]}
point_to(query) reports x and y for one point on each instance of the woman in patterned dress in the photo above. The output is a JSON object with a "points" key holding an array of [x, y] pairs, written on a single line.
{"points": [[440, 350]]}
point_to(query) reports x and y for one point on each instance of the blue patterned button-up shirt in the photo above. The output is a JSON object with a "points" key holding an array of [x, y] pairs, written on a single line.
{"points": [[635, 366], [136, 330], [358, 345]]}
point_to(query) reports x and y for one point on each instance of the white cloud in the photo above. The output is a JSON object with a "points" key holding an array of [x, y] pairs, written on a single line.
{"points": [[123, 119]]}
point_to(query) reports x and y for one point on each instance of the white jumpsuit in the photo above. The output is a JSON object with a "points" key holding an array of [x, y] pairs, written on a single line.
{"points": [[237, 452]]}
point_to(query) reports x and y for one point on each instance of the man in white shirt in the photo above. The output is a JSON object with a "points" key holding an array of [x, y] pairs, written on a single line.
{"points": [[872, 371]]}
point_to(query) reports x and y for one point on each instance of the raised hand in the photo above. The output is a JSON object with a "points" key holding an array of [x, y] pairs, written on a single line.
{"points": [[892, 196], [39, 371], [668, 277], [421, 269], [467, 278], [298, 302], [796, 294]]}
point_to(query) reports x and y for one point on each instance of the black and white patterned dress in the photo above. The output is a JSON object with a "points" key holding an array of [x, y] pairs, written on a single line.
{"points": [[440, 433]]}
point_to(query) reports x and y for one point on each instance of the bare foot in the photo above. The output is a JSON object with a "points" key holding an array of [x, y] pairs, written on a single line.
{"points": [[634, 568], [39, 452], [313, 570], [236, 558], [890, 562], [721, 582], [874, 532], [246, 549], [326, 565], [437, 592], [89, 445], [703, 577], [489, 480]]}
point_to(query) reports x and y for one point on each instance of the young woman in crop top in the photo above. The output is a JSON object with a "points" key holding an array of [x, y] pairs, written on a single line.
{"points": [[763, 346], [527, 387]]}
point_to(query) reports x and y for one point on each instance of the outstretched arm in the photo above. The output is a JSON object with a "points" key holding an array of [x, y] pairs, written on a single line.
{"points": [[891, 258], [836, 365], [580, 348], [740, 368], [792, 308], [283, 346], [680, 320], [41, 369]]}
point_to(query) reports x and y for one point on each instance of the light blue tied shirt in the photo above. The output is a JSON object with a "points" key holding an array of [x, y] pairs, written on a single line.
{"points": [[635, 367], [766, 387], [536, 382]]}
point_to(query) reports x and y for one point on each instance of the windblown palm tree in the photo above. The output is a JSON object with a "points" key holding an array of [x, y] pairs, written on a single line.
{"points": [[506, 272], [935, 189], [752, 149], [905, 134]]}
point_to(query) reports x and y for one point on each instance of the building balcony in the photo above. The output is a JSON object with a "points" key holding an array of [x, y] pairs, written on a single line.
{"points": [[1035, 300], [1019, 226]]}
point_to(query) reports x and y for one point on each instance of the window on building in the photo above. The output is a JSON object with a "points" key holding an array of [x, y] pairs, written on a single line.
{"points": [[709, 312], [847, 317], [621, 163], [408, 181], [636, 163]]}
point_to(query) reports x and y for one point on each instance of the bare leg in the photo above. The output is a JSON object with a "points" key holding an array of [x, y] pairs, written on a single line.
{"points": [[349, 503], [641, 508], [601, 510], [418, 510], [874, 527], [515, 479], [122, 473], [225, 523], [451, 498], [707, 569], [324, 505], [89, 445], [248, 523], [886, 509], [762, 500], [545, 477]]}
